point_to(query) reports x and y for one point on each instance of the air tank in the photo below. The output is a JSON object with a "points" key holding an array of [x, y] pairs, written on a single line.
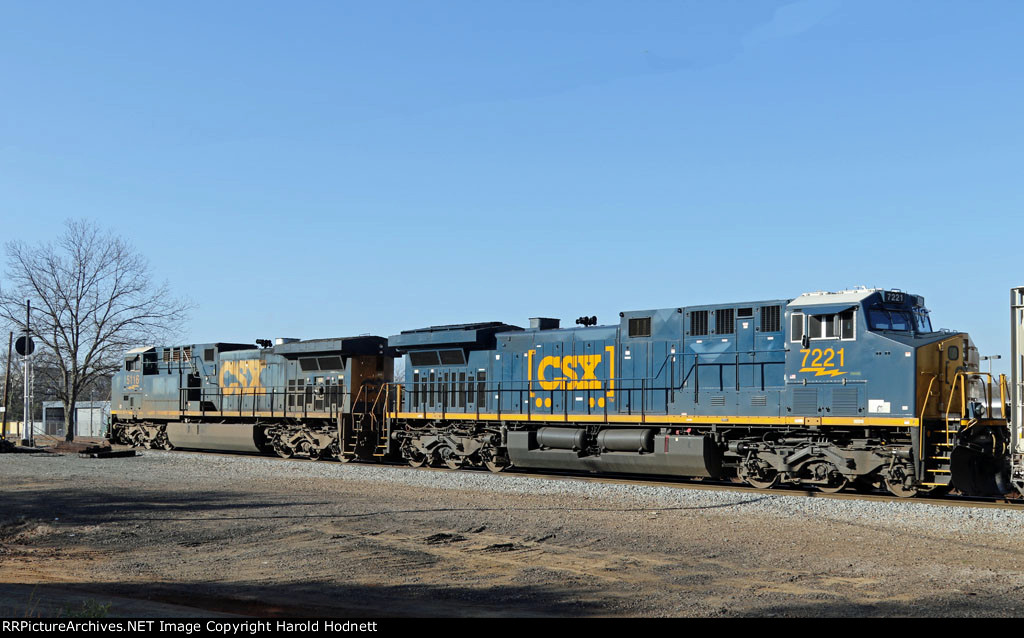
{"points": [[561, 438], [614, 440]]}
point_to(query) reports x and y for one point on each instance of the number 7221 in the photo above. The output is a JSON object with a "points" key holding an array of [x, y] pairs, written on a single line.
{"points": [[821, 359]]}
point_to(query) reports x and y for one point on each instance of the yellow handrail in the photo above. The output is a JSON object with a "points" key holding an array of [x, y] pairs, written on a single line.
{"points": [[949, 402], [920, 422], [961, 378], [355, 399]]}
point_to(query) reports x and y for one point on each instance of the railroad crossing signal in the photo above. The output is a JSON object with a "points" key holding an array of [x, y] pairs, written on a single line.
{"points": [[25, 346]]}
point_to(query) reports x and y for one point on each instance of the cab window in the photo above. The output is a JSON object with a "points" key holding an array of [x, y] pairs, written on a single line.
{"points": [[847, 321], [814, 324], [822, 327], [796, 332], [837, 326]]}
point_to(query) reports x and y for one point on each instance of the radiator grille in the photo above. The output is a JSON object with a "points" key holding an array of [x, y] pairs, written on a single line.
{"points": [[759, 400], [718, 400]]}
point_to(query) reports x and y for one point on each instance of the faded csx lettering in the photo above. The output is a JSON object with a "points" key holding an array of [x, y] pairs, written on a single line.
{"points": [[576, 372], [236, 376]]}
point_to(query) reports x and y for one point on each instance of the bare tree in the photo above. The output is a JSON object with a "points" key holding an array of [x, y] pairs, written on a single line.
{"points": [[92, 299]]}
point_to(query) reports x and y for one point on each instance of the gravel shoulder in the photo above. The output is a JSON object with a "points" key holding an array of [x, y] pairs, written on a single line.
{"points": [[170, 534]]}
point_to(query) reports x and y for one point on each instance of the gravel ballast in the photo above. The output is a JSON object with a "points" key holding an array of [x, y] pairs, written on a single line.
{"points": [[250, 535]]}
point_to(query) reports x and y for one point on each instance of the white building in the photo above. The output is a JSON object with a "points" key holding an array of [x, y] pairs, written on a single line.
{"points": [[91, 418]]}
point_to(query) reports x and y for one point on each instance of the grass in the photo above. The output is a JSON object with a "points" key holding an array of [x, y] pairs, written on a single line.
{"points": [[90, 608]]}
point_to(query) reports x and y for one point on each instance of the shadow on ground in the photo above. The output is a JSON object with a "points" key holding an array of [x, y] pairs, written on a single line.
{"points": [[291, 600], [145, 515]]}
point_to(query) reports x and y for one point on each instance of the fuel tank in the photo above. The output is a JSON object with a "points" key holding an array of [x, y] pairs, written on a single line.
{"points": [[227, 437]]}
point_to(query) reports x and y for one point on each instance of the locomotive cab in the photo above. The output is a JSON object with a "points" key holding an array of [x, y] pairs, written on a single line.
{"points": [[874, 355], [961, 437]]}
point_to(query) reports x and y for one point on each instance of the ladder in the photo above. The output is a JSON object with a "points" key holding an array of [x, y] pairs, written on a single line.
{"points": [[364, 431]]}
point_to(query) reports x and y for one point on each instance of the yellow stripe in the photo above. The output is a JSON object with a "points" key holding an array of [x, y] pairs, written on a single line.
{"points": [[174, 413], [561, 418], [658, 418]]}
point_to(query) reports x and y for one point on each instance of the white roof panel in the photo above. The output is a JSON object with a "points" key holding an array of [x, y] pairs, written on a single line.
{"points": [[843, 296]]}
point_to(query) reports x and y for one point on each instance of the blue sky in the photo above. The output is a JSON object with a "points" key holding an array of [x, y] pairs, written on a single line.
{"points": [[314, 169]]}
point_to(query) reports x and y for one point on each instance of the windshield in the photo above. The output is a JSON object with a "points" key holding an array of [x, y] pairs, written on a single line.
{"points": [[881, 319]]}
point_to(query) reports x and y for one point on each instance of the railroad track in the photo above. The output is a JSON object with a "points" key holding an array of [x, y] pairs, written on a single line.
{"points": [[950, 500]]}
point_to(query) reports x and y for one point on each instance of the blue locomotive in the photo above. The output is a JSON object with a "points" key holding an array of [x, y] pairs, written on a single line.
{"points": [[826, 390], [289, 398]]}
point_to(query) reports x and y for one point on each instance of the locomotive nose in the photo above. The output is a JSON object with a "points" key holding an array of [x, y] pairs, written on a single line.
{"points": [[977, 463]]}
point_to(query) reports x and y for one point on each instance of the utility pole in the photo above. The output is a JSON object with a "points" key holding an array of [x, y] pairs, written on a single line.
{"points": [[27, 432], [7, 383]]}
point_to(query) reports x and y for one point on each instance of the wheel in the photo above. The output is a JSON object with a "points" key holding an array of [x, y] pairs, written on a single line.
{"points": [[762, 477], [346, 458], [450, 458], [417, 458], [900, 488], [490, 459], [766, 482], [900, 483], [317, 454], [836, 482], [283, 450], [162, 442], [837, 485]]}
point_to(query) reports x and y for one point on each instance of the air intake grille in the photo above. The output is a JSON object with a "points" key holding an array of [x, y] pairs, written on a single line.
{"points": [[725, 323], [640, 327], [770, 319], [844, 401], [805, 401], [699, 322], [759, 400], [718, 400]]}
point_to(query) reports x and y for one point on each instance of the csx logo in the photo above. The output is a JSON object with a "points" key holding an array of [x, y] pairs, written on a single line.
{"points": [[237, 376], [572, 372], [578, 372]]}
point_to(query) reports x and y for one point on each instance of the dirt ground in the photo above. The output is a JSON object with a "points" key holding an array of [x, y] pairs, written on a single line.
{"points": [[206, 544]]}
